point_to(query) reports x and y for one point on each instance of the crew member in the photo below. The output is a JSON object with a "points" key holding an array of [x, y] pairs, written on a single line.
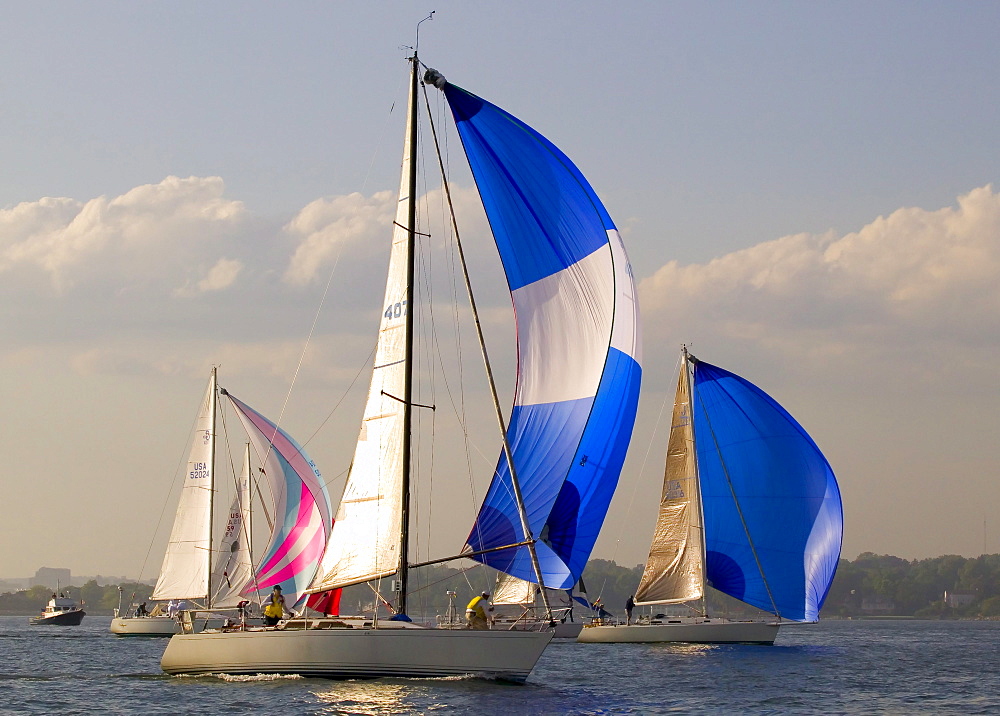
{"points": [[275, 608], [475, 614]]}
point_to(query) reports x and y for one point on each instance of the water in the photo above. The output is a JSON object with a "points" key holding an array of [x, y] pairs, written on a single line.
{"points": [[836, 667]]}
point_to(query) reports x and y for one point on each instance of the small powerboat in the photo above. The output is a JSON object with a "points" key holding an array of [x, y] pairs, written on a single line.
{"points": [[61, 611]]}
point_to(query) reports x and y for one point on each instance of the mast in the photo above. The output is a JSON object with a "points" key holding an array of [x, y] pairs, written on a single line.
{"points": [[686, 359], [211, 484], [411, 220]]}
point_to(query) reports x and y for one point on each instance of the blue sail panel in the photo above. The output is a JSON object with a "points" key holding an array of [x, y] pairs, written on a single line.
{"points": [[577, 331], [582, 504], [544, 215], [544, 439], [772, 507]]}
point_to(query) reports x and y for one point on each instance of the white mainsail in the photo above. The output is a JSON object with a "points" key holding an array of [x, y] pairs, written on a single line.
{"points": [[675, 571], [234, 566], [366, 537], [186, 564]]}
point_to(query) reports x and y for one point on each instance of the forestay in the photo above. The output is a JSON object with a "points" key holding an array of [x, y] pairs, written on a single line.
{"points": [[185, 570], [367, 532], [773, 513], [577, 344]]}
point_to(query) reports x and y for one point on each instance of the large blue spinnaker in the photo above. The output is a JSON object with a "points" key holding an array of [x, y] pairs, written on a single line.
{"points": [[772, 508], [578, 344]]}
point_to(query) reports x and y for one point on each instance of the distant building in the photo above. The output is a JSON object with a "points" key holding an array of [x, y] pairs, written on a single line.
{"points": [[53, 577], [957, 600]]}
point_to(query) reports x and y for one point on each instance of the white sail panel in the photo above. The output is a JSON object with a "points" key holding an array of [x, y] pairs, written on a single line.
{"points": [[511, 590], [233, 566], [675, 569], [626, 334], [300, 526], [562, 348], [365, 541], [185, 570]]}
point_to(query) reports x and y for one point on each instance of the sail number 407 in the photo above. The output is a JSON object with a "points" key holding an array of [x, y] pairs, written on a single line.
{"points": [[395, 310]]}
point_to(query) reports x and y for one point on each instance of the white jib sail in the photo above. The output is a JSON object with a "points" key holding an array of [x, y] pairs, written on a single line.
{"points": [[675, 569], [185, 570], [366, 536], [511, 590], [233, 566]]}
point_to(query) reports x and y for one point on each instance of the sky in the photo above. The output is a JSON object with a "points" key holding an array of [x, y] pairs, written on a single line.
{"points": [[808, 194]]}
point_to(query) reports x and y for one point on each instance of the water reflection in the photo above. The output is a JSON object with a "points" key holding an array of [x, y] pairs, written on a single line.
{"points": [[364, 697]]}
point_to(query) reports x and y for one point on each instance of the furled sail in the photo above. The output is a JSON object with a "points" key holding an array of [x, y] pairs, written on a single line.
{"points": [[185, 570], [234, 563], [674, 571], [367, 531], [577, 341], [772, 508], [302, 506]]}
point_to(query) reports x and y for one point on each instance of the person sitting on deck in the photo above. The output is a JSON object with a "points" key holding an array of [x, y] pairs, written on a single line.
{"points": [[475, 614]]}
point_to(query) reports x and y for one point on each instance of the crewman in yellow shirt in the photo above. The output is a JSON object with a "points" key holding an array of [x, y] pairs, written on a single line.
{"points": [[475, 614]]}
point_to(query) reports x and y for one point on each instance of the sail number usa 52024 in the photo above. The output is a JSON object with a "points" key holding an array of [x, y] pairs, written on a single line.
{"points": [[200, 470]]}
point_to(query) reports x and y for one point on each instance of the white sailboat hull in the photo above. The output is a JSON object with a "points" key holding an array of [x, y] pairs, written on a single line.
{"points": [[156, 626], [713, 631], [561, 630], [144, 626], [351, 653], [567, 630]]}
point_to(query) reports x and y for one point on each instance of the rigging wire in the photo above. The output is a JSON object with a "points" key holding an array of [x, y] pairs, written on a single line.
{"points": [[326, 290], [455, 313], [638, 481], [252, 477], [739, 508], [170, 488], [511, 487]]}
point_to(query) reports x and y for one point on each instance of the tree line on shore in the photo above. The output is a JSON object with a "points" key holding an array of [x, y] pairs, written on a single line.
{"points": [[871, 585]]}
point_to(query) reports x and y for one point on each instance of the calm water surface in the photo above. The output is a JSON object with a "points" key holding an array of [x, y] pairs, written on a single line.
{"points": [[836, 667]]}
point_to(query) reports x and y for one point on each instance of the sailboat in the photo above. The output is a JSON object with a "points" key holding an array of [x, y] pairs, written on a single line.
{"points": [[517, 603], [299, 526], [749, 506], [574, 409]]}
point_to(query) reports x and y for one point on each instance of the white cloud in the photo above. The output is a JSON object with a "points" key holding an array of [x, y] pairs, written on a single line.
{"points": [[141, 237], [219, 277], [908, 285], [328, 225]]}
